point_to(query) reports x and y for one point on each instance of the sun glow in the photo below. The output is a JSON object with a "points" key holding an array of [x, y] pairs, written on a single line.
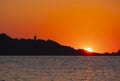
{"points": [[88, 49]]}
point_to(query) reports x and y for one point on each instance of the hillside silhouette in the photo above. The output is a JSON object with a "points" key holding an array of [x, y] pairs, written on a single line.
{"points": [[10, 46]]}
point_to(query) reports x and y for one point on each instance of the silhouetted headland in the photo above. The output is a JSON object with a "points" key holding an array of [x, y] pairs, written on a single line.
{"points": [[10, 46]]}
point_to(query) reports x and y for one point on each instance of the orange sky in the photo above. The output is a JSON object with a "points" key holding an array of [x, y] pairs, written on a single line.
{"points": [[76, 23]]}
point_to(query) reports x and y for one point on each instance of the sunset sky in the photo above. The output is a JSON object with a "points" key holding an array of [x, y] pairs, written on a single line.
{"points": [[77, 23]]}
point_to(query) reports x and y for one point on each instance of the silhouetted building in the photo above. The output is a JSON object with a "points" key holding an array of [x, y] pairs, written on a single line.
{"points": [[35, 38]]}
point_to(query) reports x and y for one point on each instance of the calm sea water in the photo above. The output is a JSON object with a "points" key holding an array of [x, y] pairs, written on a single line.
{"points": [[59, 68]]}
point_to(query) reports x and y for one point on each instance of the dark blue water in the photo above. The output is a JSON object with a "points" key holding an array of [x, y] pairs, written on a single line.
{"points": [[60, 68]]}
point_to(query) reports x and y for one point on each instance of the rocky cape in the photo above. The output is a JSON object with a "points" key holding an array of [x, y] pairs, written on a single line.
{"points": [[10, 46]]}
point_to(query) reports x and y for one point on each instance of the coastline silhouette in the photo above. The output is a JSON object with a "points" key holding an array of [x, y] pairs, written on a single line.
{"points": [[10, 46]]}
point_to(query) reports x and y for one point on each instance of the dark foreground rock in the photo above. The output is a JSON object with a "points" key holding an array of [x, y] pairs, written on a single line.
{"points": [[10, 46]]}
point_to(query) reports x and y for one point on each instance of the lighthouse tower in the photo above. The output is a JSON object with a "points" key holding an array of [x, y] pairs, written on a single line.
{"points": [[35, 37]]}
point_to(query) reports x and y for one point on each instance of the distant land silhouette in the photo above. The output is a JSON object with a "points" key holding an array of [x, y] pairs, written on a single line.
{"points": [[10, 46]]}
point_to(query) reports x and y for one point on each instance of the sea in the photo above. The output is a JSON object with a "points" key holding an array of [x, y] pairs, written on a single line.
{"points": [[59, 68]]}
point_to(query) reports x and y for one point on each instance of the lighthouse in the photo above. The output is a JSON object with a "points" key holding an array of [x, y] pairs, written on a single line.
{"points": [[35, 38]]}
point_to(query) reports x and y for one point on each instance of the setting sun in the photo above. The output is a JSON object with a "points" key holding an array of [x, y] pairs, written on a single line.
{"points": [[88, 49]]}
